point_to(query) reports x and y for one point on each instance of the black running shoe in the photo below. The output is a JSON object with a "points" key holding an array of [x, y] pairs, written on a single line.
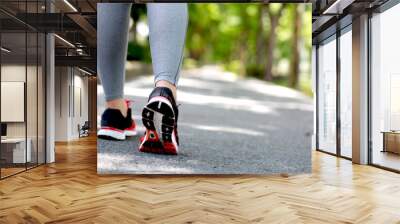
{"points": [[114, 126], [160, 117]]}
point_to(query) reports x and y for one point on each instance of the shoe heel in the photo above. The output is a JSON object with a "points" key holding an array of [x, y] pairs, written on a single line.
{"points": [[158, 140]]}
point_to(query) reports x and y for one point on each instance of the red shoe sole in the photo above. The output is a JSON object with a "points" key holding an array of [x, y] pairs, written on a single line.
{"points": [[150, 143]]}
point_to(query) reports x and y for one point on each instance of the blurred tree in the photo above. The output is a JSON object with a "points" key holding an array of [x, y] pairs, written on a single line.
{"points": [[274, 13], [266, 41], [260, 37], [137, 50], [137, 11], [295, 58]]}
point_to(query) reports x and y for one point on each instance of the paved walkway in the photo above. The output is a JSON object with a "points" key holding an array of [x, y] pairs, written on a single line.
{"points": [[227, 125]]}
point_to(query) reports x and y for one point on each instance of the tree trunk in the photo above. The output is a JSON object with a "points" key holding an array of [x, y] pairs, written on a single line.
{"points": [[260, 49], [134, 32], [270, 50], [243, 46], [295, 58], [274, 21]]}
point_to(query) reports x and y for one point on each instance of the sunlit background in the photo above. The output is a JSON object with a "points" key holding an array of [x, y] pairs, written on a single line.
{"points": [[237, 114], [266, 41]]}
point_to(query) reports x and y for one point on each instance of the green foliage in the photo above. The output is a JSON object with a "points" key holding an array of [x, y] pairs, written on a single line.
{"points": [[254, 70], [138, 52], [138, 10], [234, 36]]}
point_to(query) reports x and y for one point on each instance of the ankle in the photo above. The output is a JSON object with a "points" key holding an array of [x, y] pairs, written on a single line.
{"points": [[172, 87], [118, 104]]}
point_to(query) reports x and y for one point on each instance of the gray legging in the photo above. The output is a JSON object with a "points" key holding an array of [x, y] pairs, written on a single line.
{"points": [[167, 25]]}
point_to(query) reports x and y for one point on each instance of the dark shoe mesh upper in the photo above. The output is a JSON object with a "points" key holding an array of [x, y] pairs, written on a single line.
{"points": [[114, 118]]}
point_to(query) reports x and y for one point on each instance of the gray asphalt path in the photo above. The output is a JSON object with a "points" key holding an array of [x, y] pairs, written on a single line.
{"points": [[227, 125]]}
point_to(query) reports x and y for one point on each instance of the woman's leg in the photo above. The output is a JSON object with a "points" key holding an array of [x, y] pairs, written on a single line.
{"points": [[112, 44], [168, 25]]}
